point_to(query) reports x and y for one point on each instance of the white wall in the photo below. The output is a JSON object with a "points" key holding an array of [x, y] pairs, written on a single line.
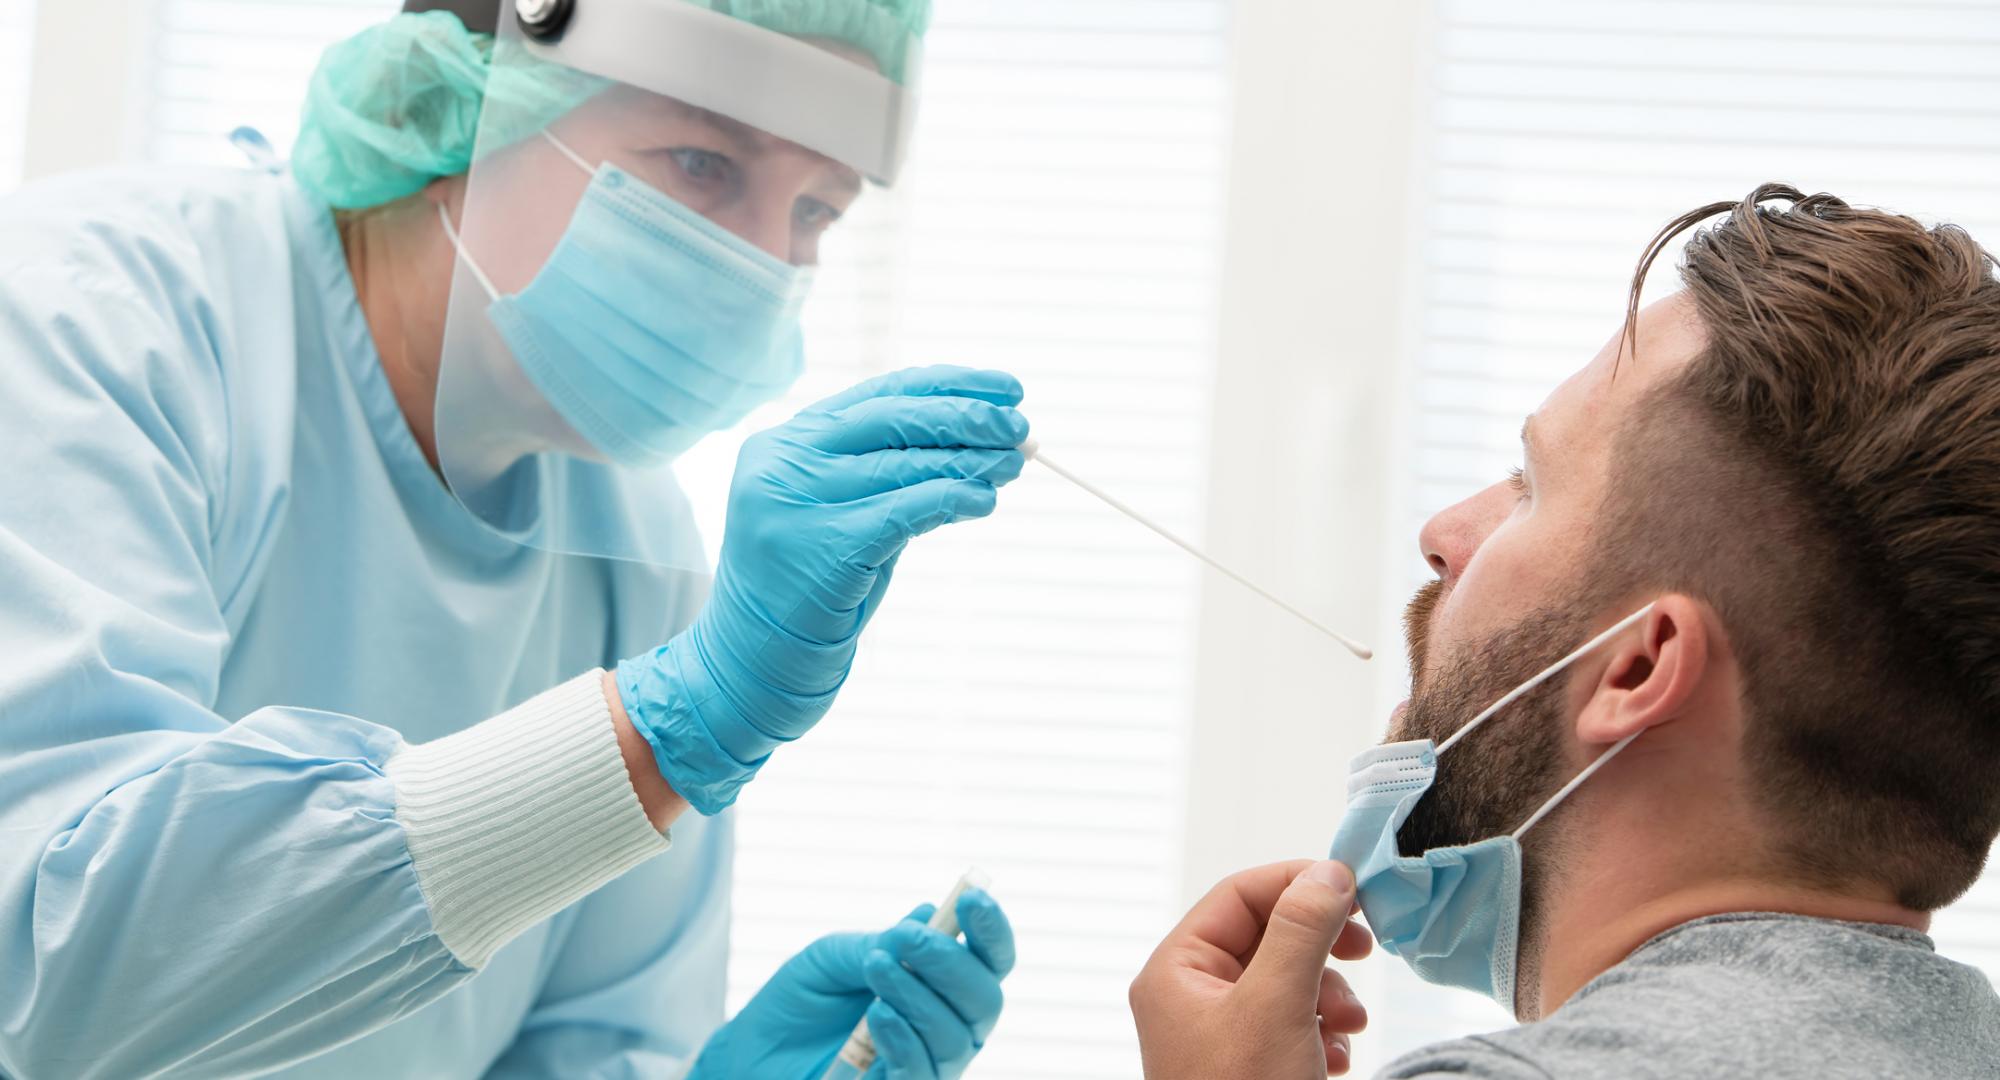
{"points": [[84, 86], [1310, 333]]}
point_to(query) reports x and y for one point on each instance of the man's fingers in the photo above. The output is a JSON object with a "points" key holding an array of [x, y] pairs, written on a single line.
{"points": [[1299, 936], [1339, 1052], [1339, 1010], [1354, 942], [1226, 923]]}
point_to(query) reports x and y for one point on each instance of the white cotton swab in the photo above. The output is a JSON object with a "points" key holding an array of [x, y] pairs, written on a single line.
{"points": [[1032, 450]]}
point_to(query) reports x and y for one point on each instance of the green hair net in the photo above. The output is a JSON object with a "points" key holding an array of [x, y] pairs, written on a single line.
{"points": [[399, 104], [882, 28]]}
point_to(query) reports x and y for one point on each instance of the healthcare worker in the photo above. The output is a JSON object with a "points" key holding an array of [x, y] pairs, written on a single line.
{"points": [[329, 495]]}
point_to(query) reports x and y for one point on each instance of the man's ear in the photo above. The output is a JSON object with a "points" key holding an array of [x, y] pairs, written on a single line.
{"points": [[1650, 674]]}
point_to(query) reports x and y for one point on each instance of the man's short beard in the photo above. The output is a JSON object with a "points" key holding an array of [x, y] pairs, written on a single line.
{"points": [[1489, 784]]}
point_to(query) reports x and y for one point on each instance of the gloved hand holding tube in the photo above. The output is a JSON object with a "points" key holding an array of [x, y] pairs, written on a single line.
{"points": [[931, 1002], [820, 509]]}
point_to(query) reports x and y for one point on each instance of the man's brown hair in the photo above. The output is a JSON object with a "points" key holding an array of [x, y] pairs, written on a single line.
{"points": [[1826, 474]]}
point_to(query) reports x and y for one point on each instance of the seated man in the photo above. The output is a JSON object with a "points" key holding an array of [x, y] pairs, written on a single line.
{"points": [[1790, 472]]}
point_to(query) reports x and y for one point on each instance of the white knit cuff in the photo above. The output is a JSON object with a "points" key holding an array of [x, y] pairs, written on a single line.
{"points": [[516, 818]]}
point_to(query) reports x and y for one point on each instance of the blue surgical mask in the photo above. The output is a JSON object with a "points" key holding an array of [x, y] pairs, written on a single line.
{"points": [[1452, 914], [650, 326]]}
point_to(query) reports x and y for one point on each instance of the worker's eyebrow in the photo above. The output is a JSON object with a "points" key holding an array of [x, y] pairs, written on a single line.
{"points": [[841, 180], [845, 182], [1528, 439], [745, 137]]}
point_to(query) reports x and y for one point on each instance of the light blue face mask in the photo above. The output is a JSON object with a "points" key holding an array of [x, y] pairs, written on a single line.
{"points": [[650, 326], [1453, 914]]}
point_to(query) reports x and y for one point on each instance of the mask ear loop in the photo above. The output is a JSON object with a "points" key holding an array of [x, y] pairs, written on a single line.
{"points": [[587, 167], [1574, 783], [451, 234], [1543, 676]]}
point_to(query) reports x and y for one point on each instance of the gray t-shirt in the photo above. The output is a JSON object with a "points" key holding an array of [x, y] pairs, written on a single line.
{"points": [[1776, 997]]}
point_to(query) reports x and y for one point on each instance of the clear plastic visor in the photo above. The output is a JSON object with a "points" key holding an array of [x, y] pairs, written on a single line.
{"points": [[636, 244]]}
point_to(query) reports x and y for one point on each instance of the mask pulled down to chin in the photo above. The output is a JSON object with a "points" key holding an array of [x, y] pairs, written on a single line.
{"points": [[1453, 914]]}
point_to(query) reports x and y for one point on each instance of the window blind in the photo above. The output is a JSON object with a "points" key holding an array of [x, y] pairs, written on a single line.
{"points": [[1021, 702], [17, 40], [1559, 136], [220, 64]]}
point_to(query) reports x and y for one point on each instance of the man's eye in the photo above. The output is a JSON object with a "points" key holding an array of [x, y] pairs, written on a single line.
{"points": [[704, 166], [1517, 478], [813, 215]]}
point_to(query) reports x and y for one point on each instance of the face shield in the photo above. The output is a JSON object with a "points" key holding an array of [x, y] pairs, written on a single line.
{"points": [[637, 242]]}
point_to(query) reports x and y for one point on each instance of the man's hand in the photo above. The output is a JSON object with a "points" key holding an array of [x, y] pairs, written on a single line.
{"points": [[1240, 989]]}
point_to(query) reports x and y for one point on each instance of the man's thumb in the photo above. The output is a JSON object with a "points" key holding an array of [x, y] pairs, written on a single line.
{"points": [[1299, 936]]}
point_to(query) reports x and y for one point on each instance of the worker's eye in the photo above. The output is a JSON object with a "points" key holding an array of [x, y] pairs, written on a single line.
{"points": [[811, 215], [705, 167], [1517, 478]]}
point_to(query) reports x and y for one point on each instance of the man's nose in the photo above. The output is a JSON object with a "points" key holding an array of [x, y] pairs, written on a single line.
{"points": [[1451, 537]]}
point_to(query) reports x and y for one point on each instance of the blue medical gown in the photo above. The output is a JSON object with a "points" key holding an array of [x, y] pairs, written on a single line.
{"points": [[230, 588]]}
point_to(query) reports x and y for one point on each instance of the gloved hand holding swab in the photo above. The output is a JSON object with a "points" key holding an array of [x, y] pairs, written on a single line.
{"points": [[1033, 452]]}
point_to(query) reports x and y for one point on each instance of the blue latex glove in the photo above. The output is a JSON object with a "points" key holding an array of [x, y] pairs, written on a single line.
{"points": [[931, 1002], [819, 510]]}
